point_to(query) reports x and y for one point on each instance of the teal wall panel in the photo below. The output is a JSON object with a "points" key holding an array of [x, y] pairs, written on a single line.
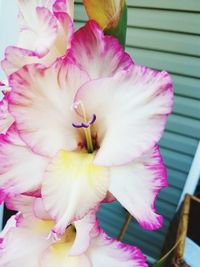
{"points": [[163, 35], [183, 5]]}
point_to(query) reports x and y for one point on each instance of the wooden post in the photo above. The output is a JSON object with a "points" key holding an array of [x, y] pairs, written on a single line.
{"points": [[182, 232]]}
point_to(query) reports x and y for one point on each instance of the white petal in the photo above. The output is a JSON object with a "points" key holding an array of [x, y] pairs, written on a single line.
{"points": [[59, 258], [107, 252], [74, 180], [38, 27], [20, 169], [28, 206], [137, 185], [10, 224], [25, 244], [131, 110], [41, 101], [39, 209], [21, 203], [86, 229]]}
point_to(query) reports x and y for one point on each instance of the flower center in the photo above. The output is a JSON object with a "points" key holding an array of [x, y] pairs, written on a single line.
{"points": [[64, 244], [86, 126]]}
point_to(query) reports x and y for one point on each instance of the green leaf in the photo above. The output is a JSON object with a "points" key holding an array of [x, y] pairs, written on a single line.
{"points": [[120, 30]]}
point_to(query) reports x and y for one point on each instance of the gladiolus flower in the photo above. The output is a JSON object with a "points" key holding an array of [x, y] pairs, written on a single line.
{"points": [[93, 118], [46, 31], [26, 239]]}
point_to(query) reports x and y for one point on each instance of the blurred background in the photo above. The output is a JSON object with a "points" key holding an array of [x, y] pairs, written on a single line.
{"points": [[163, 35]]}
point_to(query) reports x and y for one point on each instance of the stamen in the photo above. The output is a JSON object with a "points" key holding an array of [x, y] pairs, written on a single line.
{"points": [[53, 236], [75, 105], [85, 124], [94, 117]]}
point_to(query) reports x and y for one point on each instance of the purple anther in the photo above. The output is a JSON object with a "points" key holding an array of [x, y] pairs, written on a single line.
{"points": [[77, 125], [94, 117], [84, 124]]}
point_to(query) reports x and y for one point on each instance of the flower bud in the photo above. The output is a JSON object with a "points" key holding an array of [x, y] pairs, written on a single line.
{"points": [[111, 15]]}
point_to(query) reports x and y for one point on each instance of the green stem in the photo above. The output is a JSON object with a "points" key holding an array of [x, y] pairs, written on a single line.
{"points": [[124, 227]]}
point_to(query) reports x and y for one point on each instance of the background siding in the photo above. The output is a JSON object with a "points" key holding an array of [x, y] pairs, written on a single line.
{"points": [[163, 35]]}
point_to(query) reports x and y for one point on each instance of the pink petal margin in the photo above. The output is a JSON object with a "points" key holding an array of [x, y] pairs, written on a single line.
{"points": [[136, 187], [1, 83], [14, 56], [60, 6], [93, 50], [64, 6], [133, 253], [160, 180]]}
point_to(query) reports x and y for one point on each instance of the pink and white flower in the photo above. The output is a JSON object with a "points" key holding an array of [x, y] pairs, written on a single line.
{"points": [[93, 118], [26, 238], [79, 125], [46, 32]]}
